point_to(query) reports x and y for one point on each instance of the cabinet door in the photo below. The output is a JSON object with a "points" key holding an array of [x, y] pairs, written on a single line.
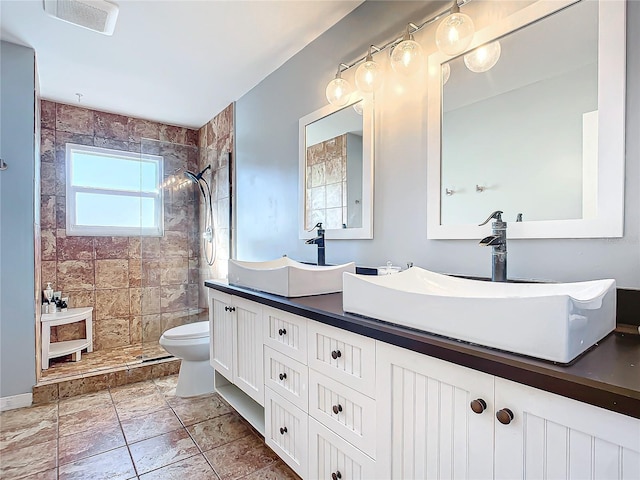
{"points": [[331, 457], [552, 436], [248, 374], [221, 328], [426, 428]]}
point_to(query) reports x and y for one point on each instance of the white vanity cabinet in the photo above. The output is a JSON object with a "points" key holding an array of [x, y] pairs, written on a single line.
{"points": [[428, 426], [551, 436], [236, 348]]}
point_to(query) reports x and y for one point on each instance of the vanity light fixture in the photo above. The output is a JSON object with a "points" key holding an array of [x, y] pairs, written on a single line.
{"points": [[446, 73], [406, 54], [369, 75], [339, 91], [483, 58], [455, 32], [406, 57]]}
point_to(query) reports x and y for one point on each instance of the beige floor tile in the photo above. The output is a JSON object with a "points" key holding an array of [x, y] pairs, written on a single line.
{"points": [[137, 406], [95, 419], [112, 465], [89, 401], [32, 432], [167, 385], [48, 475], [193, 468], [25, 417], [151, 425], [92, 442], [20, 462], [199, 409], [162, 450], [134, 390], [240, 458], [218, 431], [277, 471]]}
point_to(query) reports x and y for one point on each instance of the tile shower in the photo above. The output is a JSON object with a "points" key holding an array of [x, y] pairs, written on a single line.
{"points": [[138, 286]]}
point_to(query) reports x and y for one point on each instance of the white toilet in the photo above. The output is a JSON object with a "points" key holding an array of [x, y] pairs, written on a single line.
{"points": [[190, 342]]}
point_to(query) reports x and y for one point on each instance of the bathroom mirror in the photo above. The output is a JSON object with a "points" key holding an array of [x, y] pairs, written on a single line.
{"points": [[336, 171], [540, 135]]}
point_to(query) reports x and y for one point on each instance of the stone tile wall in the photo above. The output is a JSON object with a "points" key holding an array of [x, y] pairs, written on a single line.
{"points": [[138, 286], [326, 188], [216, 140]]}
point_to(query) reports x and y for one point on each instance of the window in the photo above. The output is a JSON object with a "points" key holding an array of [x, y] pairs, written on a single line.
{"points": [[112, 192]]}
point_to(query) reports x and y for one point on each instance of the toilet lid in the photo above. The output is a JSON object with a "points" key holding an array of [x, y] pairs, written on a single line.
{"points": [[190, 330]]}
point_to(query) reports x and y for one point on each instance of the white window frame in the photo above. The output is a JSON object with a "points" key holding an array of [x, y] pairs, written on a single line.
{"points": [[73, 229]]}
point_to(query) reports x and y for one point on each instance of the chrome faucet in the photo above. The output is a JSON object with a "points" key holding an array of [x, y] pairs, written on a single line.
{"points": [[319, 241], [499, 243]]}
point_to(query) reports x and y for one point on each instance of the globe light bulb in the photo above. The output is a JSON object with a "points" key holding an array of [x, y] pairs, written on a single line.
{"points": [[369, 75], [406, 57], [483, 58], [338, 91], [446, 73], [455, 32]]}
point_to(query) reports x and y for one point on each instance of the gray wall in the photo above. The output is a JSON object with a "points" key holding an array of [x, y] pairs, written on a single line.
{"points": [[17, 316], [267, 163]]}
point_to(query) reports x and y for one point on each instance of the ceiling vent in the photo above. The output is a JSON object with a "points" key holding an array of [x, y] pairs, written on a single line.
{"points": [[96, 15]]}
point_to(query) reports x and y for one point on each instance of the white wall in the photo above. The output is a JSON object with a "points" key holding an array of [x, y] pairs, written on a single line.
{"points": [[267, 163], [17, 216]]}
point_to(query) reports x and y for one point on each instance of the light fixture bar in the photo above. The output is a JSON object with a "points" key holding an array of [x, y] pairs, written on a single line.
{"points": [[415, 27]]}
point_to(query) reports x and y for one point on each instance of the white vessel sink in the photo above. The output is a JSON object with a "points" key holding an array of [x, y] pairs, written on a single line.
{"points": [[287, 277], [554, 322]]}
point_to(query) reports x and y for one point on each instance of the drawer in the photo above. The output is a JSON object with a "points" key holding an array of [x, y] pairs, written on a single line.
{"points": [[348, 413], [286, 431], [287, 377], [286, 333], [329, 454], [343, 356]]}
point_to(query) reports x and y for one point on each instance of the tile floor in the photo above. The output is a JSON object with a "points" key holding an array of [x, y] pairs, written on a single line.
{"points": [[138, 431]]}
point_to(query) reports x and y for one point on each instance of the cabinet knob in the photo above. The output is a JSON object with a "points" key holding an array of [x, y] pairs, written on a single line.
{"points": [[478, 405], [232, 309], [282, 376], [336, 475], [337, 409], [226, 308], [335, 354], [504, 416], [282, 331], [283, 430]]}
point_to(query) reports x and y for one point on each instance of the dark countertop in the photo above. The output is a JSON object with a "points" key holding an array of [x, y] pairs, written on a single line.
{"points": [[608, 375]]}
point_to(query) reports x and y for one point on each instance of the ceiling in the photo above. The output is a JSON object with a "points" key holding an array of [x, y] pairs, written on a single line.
{"points": [[178, 62]]}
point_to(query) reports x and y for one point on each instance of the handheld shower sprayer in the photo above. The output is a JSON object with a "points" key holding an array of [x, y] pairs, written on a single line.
{"points": [[209, 229]]}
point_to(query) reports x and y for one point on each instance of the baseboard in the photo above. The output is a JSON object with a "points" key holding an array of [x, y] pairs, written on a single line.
{"points": [[16, 401]]}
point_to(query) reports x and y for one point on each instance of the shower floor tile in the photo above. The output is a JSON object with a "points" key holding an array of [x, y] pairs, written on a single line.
{"points": [[198, 438]]}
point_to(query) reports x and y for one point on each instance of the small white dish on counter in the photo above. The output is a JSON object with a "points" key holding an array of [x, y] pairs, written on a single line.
{"points": [[287, 277], [551, 321]]}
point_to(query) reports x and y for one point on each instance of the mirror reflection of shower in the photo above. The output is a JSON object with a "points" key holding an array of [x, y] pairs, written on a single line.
{"points": [[209, 229]]}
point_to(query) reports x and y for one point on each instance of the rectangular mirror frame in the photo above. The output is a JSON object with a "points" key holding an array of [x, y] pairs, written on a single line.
{"points": [[366, 230], [609, 220]]}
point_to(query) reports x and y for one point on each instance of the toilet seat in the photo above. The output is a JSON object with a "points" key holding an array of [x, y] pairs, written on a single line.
{"points": [[190, 331]]}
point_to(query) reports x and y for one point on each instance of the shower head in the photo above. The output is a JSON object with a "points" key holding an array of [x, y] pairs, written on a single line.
{"points": [[195, 178]]}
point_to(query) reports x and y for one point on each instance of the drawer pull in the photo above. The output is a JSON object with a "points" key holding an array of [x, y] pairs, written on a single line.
{"points": [[282, 331], [336, 475], [337, 409], [283, 430], [282, 376], [336, 354], [478, 405], [504, 416]]}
